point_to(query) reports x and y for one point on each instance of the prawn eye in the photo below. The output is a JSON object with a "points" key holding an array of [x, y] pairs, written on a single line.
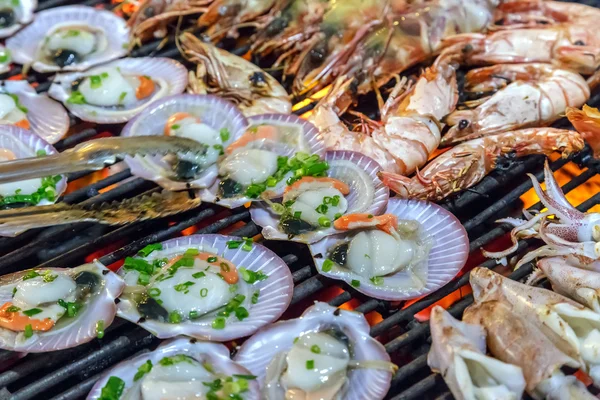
{"points": [[579, 43], [463, 123], [149, 12], [257, 78]]}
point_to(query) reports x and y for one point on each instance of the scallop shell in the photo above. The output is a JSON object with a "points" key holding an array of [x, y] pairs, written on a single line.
{"points": [[446, 258], [258, 351], [170, 74], [364, 173], [25, 45], [82, 328], [23, 144], [212, 110], [309, 141], [48, 119], [275, 292], [24, 16], [217, 355]]}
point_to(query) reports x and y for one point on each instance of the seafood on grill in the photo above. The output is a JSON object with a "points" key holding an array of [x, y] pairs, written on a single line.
{"points": [[224, 17], [15, 14], [458, 353], [117, 91], [568, 46], [516, 340], [70, 38], [587, 122], [22, 106], [469, 162], [327, 353], [410, 35], [56, 308], [179, 368], [570, 278], [571, 327], [151, 18], [538, 95], [17, 143], [570, 232], [413, 249], [534, 13], [410, 127], [231, 77], [311, 206], [210, 287]]}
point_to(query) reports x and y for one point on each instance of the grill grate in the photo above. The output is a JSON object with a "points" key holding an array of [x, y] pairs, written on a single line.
{"points": [[70, 374]]}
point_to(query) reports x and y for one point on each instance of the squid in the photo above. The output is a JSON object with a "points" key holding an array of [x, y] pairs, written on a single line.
{"points": [[572, 232], [515, 340], [458, 353], [569, 326]]}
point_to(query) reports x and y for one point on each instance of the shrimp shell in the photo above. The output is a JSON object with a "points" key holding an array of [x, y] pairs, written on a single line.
{"points": [[468, 163]]}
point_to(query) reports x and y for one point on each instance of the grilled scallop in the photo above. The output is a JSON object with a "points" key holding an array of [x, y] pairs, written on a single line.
{"points": [[70, 38], [56, 308], [117, 91], [179, 369], [209, 287], [326, 354], [14, 14]]}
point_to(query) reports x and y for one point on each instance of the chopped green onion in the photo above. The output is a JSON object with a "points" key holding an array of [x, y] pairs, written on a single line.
{"points": [[255, 297], [174, 317], [199, 275], [76, 98], [5, 55], [251, 276], [13, 309], [28, 331], [113, 389], [95, 81], [179, 358], [233, 244], [370, 216], [327, 265], [335, 200], [218, 323], [247, 244], [254, 190], [143, 278], [241, 313], [48, 277], [271, 181], [219, 147], [296, 339], [247, 377], [377, 280], [297, 214], [41, 153], [224, 133], [233, 288], [175, 126], [315, 349], [310, 364], [192, 252], [183, 287], [212, 259], [32, 311], [30, 275], [154, 292], [322, 209], [122, 97], [14, 291], [324, 222], [143, 370], [203, 292], [336, 216], [100, 329], [355, 283], [146, 251], [72, 308], [193, 315], [104, 75]]}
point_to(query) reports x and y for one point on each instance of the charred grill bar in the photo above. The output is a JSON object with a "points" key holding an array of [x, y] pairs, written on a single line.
{"points": [[70, 374]]}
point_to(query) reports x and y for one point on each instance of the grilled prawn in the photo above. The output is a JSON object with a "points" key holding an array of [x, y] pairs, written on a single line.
{"points": [[233, 78], [410, 125], [569, 46], [151, 18], [538, 95], [468, 163], [223, 17]]}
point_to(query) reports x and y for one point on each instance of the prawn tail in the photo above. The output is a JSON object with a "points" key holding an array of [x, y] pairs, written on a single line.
{"points": [[587, 122]]}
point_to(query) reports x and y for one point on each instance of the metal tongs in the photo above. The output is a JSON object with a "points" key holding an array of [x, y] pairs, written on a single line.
{"points": [[97, 154]]}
